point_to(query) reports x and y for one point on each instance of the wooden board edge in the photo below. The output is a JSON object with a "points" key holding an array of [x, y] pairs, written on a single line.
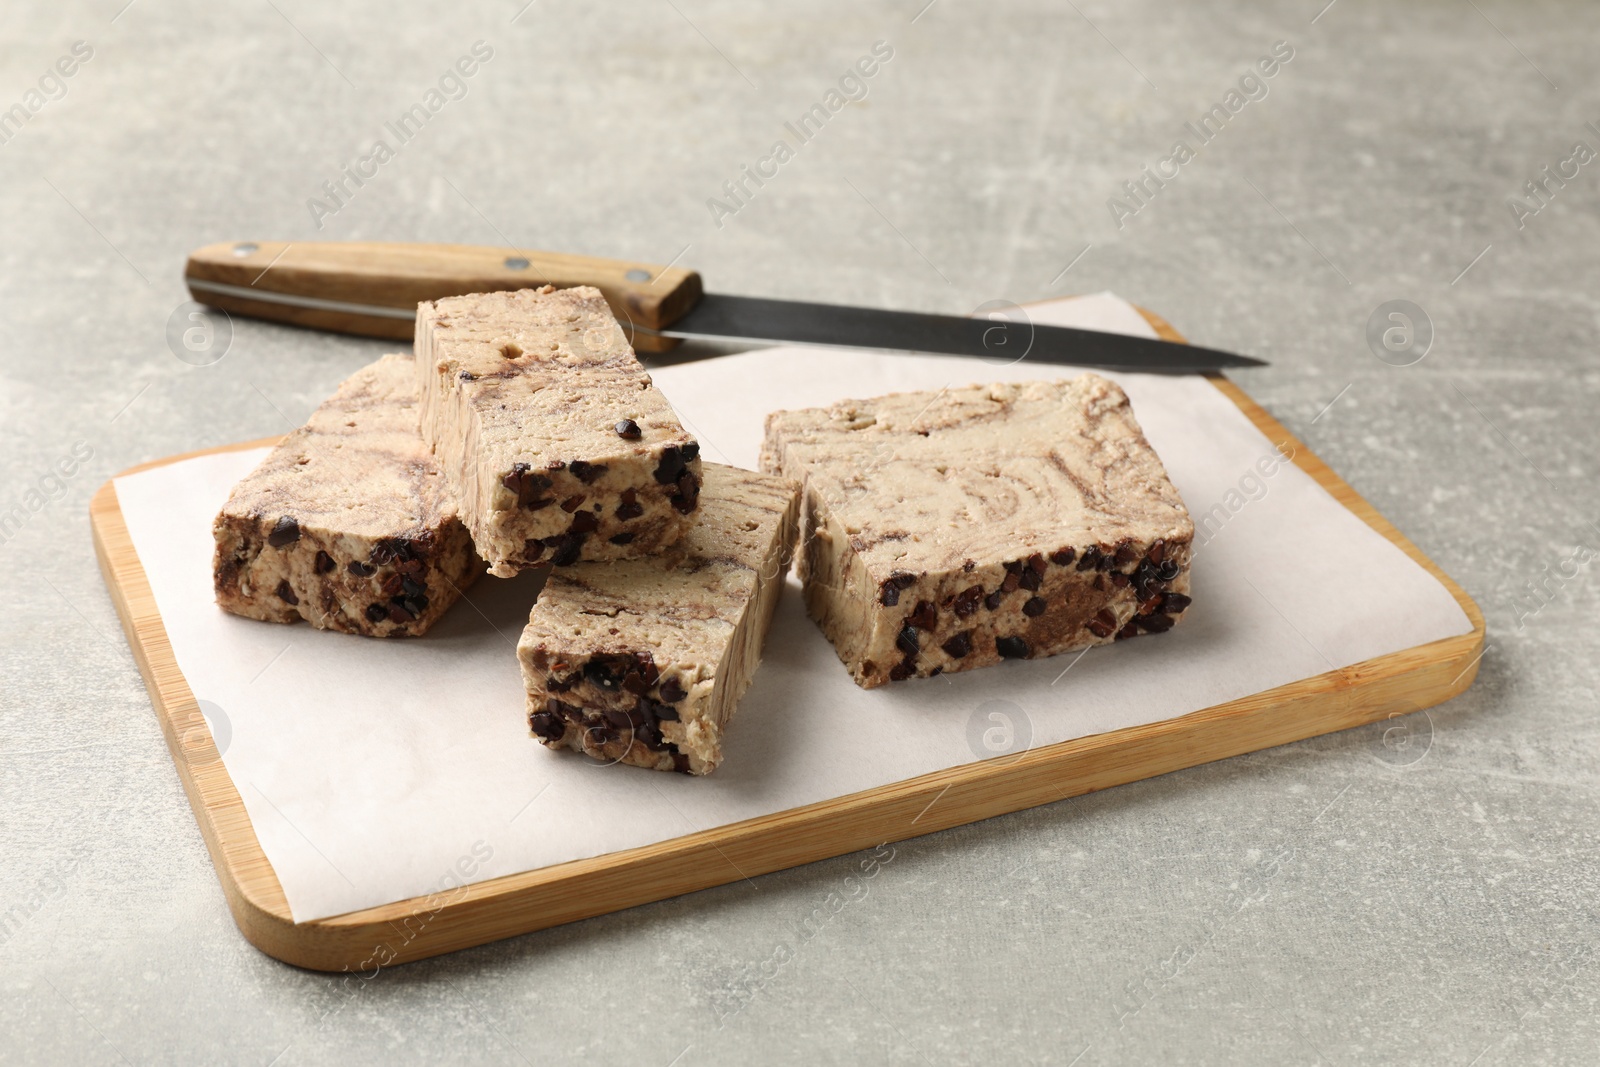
{"points": [[521, 903]]}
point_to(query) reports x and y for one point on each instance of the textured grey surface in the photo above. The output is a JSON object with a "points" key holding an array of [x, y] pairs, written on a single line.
{"points": [[1334, 901]]}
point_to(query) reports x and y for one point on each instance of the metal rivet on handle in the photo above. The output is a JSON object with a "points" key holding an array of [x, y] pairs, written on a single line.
{"points": [[244, 249], [637, 275], [516, 263]]}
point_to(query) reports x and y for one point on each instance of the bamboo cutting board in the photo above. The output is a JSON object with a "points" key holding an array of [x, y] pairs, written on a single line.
{"points": [[413, 929]]}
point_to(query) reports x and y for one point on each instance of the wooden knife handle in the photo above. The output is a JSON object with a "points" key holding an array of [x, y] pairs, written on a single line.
{"points": [[340, 278]]}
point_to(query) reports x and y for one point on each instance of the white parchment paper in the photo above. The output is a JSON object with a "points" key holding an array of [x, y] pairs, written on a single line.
{"points": [[375, 771]]}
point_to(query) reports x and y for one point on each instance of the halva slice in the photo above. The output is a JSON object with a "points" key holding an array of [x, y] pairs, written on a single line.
{"points": [[553, 437], [947, 531], [347, 523], [643, 661]]}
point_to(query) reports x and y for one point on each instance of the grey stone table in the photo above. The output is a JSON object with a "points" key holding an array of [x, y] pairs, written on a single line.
{"points": [[1433, 902]]}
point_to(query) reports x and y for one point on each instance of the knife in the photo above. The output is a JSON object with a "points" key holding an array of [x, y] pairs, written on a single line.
{"points": [[372, 289]]}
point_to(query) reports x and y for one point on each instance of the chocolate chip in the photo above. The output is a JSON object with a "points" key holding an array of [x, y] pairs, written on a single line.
{"points": [[286, 594], [555, 465], [680, 763], [691, 450], [391, 550], [906, 641], [889, 591], [1064, 556], [408, 566], [925, 617], [1010, 584], [606, 671], [527, 485], [1031, 580], [992, 601], [967, 602], [359, 569], [1034, 607], [284, 532], [1011, 647], [664, 712], [412, 587], [568, 549], [467, 376], [624, 538], [547, 726], [584, 522], [628, 430], [670, 466], [399, 614], [1013, 567], [672, 691], [324, 562], [630, 508], [552, 684], [900, 671], [392, 584], [959, 645], [573, 503], [1104, 624], [377, 612], [1105, 562], [688, 494], [1127, 631], [1119, 579], [587, 472], [967, 567], [648, 734], [1175, 603], [1036, 563], [1126, 553], [1168, 570], [1090, 559], [1157, 552], [1156, 624], [532, 549]]}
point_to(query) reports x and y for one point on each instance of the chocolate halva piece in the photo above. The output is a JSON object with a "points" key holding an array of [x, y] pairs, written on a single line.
{"points": [[951, 530], [643, 661], [347, 523], [550, 432]]}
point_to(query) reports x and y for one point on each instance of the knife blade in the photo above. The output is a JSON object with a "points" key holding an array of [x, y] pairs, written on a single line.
{"points": [[372, 289], [1007, 335]]}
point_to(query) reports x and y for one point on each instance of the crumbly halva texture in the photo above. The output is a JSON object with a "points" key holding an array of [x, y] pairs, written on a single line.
{"points": [[552, 435], [347, 523], [643, 661], [948, 531]]}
